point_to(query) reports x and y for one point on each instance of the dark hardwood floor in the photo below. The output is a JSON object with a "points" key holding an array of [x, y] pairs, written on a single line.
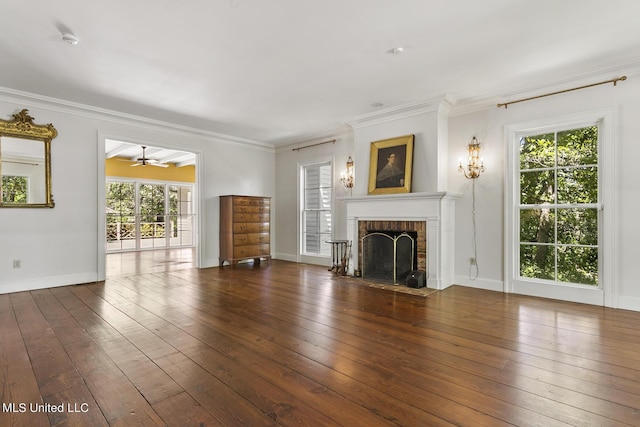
{"points": [[294, 345]]}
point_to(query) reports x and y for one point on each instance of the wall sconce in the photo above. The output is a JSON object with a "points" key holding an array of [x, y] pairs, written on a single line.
{"points": [[475, 166], [347, 176]]}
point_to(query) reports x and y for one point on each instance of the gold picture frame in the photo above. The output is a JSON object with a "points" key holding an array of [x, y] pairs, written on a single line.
{"points": [[25, 152], [390, 165]]}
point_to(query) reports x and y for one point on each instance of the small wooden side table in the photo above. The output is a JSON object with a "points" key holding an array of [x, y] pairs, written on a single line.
{"points": [[340, 254]]}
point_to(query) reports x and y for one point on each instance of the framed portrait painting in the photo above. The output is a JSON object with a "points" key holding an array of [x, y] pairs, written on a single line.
{"points": [[390, 165]]}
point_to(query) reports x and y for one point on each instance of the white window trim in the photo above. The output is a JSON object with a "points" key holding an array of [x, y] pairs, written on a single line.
{"points": [[200, 187], [607, 291], [314, 259]]}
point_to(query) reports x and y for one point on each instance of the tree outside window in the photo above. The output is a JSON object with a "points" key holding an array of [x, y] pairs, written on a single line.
{"points": [[141, 215], [152, 211], [558, 210], [15, 189]]}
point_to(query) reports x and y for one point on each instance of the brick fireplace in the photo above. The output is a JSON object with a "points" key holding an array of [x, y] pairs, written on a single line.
{"points": [[430, 215]]}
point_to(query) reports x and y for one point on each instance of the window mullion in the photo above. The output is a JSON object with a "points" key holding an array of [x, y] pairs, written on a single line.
{"points": [[138, 217], [557, 159]]}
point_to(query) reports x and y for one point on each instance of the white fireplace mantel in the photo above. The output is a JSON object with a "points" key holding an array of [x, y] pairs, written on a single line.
{"points": [[437, 209]]}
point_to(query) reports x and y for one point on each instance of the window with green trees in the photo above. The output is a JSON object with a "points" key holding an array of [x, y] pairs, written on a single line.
{"points": [[15, 189], [121, 215], [145, 215], [180, 216], [152, 210], [559, 206]]}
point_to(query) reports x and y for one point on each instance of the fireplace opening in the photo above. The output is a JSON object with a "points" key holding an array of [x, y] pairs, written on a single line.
{"points": [[389, 256]]}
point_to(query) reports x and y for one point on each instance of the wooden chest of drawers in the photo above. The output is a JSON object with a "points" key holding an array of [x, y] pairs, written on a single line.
{"points": [[245, 231]]}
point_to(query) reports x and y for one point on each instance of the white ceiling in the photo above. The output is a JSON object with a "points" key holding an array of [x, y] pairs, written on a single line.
{"points": [[279, 71], [125, 150]]}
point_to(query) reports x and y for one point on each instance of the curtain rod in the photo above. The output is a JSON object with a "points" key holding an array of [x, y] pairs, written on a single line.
{"points": [[614, 81], [17, 162], [313, 145]]}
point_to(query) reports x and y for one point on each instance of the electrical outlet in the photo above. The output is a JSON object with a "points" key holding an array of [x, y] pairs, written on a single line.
{"points": [[17, 263], [472, 261]]}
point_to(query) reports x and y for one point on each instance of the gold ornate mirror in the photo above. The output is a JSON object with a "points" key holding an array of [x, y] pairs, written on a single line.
{"points": [[25, 162]]}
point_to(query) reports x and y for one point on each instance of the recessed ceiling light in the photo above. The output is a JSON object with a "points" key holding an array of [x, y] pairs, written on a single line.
{"points": [[396, 50], [70, 38]]}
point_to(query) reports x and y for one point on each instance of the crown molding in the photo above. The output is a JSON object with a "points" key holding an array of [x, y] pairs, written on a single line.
{"points": [[91, 112], [401, 112]]}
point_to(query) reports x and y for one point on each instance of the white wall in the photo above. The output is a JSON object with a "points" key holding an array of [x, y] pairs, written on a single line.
{"points": [[489, 124], [423, 124], [62, 245], [286, 178], [420, 120]]}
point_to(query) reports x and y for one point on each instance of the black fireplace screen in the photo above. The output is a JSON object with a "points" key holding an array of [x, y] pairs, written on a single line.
{"points": [[389, 256]]}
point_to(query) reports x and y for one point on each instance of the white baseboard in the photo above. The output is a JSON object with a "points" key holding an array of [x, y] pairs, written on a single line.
{"points": [[210, 262], [621, 302], [629, 303], [47, 282], [489, 285], [286, 257]]}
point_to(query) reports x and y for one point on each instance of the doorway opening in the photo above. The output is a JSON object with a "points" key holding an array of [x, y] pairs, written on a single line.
{"points": [[150, 204]]}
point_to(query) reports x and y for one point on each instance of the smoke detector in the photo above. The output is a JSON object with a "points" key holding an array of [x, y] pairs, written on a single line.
{"points": [[70, 38]]}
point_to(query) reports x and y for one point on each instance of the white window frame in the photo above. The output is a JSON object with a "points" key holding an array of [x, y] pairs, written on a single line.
{"points": [[309, 258], [606, 291]]}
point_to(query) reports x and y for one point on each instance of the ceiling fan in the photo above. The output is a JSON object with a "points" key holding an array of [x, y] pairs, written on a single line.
{"points": [[144, 160]]}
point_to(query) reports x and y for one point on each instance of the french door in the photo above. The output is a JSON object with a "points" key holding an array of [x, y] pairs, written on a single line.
{"points": [[148, 215]]}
